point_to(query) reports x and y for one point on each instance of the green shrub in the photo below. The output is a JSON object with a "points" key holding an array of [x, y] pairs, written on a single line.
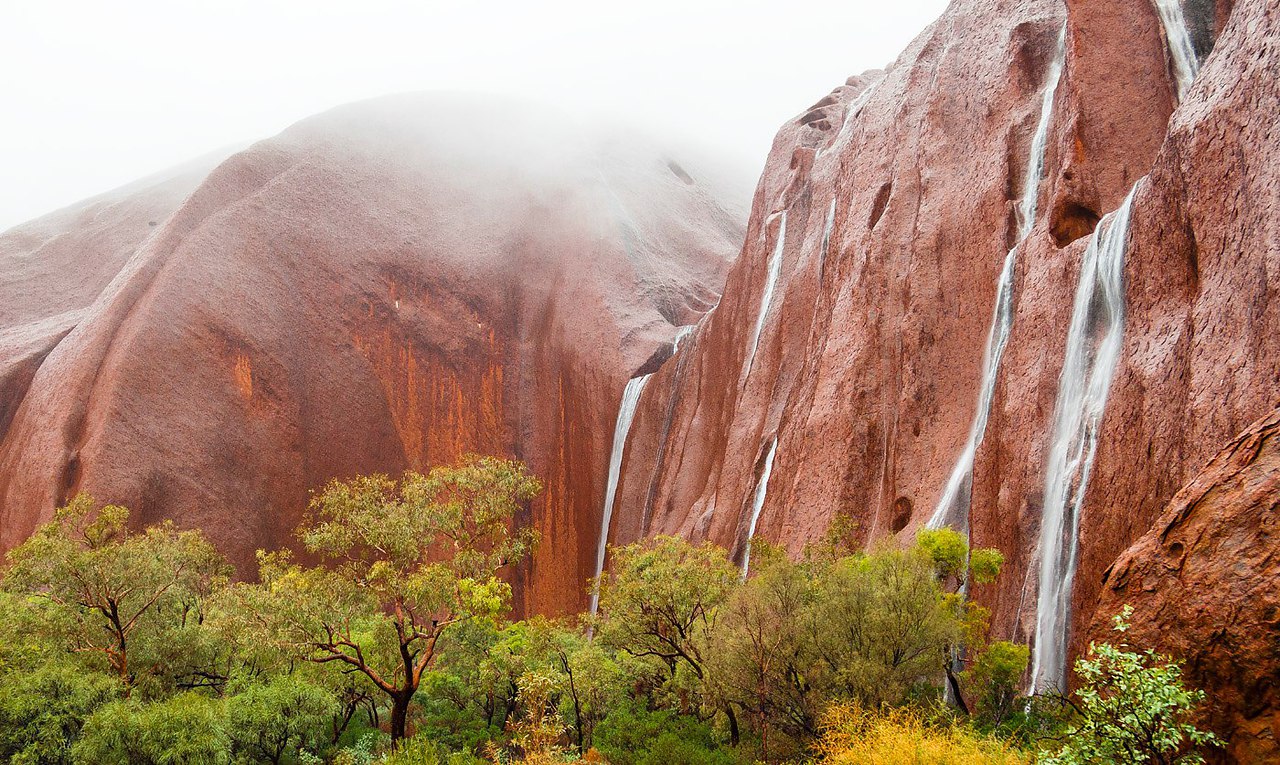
{"points": [[42, 711], [1133, 708], [630, 735]]}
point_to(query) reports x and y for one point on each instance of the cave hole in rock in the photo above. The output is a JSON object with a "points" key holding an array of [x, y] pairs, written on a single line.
{"points": [[1071, 221], [882, 201], [901, 514]]}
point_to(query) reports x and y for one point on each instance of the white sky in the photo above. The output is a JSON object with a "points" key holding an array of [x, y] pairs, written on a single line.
{"points": [[97, 94]]}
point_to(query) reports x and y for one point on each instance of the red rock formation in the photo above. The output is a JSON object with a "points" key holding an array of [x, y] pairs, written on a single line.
{"points": [[1202, 582], [55, 267], [868, 365], [322, 306], [381, 287]]}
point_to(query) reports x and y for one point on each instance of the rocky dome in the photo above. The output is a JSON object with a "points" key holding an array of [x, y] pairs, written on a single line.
{"points": [[1020, 282], [382, 287]]}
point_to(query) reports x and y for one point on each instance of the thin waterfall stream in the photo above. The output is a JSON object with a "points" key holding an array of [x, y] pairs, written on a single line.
{"points": [[1094, 343], [953, 507], [626, 413], [757, 501], [766, 298], [1182, 53]]}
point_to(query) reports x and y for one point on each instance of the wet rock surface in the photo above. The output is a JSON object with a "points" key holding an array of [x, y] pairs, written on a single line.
{"points": [[382, 287]]}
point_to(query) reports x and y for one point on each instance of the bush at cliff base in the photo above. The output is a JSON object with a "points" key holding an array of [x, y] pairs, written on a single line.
{"points": [[1132, 708], [854, 736]]}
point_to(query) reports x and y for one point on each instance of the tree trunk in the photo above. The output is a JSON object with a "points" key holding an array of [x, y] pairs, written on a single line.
{"points": [[734, 735], [399, 716], [953, 683]]}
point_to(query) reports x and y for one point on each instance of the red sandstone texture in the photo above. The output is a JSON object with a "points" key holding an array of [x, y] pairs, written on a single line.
{"points": [[868, 366], [385, 286], [324, 305], [1202, 582]]}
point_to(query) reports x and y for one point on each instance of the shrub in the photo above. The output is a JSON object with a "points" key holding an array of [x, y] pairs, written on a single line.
{"points": [[1133, 708], [630, 735], [853, 736]]}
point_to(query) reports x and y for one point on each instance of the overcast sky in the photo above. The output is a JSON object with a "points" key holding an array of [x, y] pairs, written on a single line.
{"points": [[97, 94]]}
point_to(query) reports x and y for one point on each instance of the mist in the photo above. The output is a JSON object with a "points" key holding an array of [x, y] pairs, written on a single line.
{"points": [[100, 95]]}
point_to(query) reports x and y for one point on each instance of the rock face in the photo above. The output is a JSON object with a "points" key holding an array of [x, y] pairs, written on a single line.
{"points": [[892, 204], [1202, 582], [382, 287]]}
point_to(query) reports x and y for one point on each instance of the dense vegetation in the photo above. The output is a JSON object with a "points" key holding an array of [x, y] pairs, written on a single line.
{"points": [[387, 640]]}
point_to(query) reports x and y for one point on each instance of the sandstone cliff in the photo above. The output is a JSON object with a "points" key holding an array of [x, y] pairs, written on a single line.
{"points": [[1019, 282], [382, 287], [851, 381]]}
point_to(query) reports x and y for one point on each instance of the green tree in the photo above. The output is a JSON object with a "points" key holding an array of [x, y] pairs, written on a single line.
{"points": [[634, 735], [186, 729], [659, 595], [995, 676], [592, 682], [405, 561], [881, 624], [43, 709], [757, 659], [1133, 709], [276, 720], [98, 588], [657, 601]]}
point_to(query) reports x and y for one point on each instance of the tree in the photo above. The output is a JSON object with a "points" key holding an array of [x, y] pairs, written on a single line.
{"points": [[406, 561], [274, 721], [43, 709], [996, 674], [659, 594], [186, 729], [95, 586], [757, 660], [1133, 709], [959, 566], [880, 624], [656, 602]]}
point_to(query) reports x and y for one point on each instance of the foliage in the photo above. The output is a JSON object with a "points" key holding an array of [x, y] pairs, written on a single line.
{"points": [[538, 734], [995, 676], [660, 594], [98, 588], [757, 658], [275, 721], [1133, 708], [406, 561], [42, 711], [852, 735], [632, 735], [881, 625], [947, 549], [422, 750], [186, 729]]}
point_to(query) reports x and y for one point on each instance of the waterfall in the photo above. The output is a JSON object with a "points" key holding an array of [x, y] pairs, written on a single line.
{"points": [[826, 240], [775, 268], [953, 507], [681, 333], [1034, 173], [1181, 51], [626, 412], [757, 502], [1093, 352]]}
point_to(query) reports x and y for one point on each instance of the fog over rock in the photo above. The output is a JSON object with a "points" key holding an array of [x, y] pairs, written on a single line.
{"points": [[1020, 282], [385, 286]]}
